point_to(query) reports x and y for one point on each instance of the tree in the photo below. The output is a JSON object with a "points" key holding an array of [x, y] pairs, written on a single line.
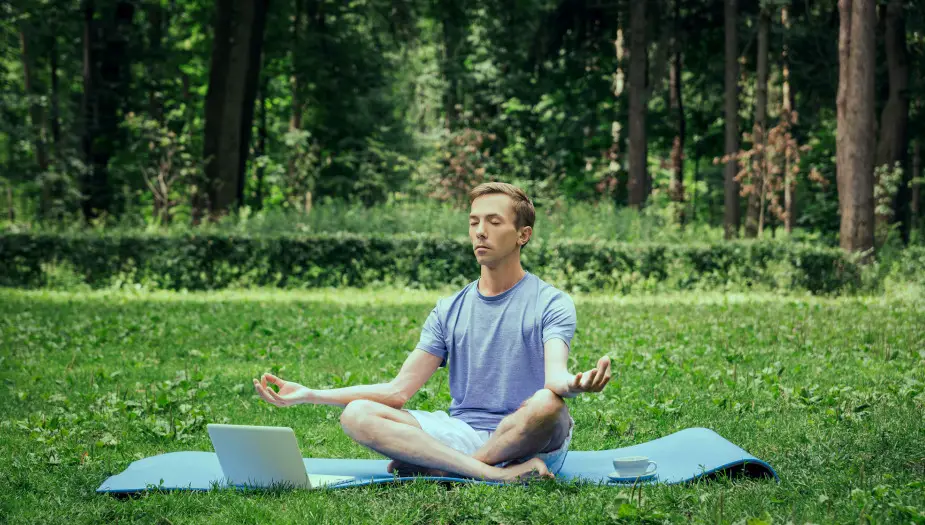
{"points": [[233, 75], [856, 121], [754, 222], [677, 104], [453, 22], [638, 147], [787, 119], [731, 186], [893, 142], [107, 32]]}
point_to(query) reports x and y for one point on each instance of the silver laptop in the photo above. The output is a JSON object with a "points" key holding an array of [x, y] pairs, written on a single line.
{"points": [[253, 456]]}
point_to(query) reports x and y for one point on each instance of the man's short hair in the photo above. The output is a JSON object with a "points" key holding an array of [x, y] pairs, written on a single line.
{"points": [[524, 213]]}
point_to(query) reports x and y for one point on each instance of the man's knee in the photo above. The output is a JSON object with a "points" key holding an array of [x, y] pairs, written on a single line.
{"points": [[546, 405], [357, 415]]}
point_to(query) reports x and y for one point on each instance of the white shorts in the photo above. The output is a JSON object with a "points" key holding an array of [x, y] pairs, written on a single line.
{"points": [[457, 434]]}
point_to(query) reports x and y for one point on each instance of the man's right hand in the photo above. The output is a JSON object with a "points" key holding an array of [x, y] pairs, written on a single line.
{"points": [[290, 393]]}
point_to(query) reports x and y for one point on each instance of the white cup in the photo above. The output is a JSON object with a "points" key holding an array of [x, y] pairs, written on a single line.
{"points": [[634, 466]]}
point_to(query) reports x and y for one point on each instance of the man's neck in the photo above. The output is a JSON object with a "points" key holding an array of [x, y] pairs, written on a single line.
{"points": [[495, 281]]}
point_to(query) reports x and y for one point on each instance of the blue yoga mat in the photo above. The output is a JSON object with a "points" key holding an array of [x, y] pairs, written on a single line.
{"points": [[682, 457]]}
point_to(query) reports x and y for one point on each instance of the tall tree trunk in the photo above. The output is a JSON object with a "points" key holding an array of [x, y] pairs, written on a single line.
{"points": [[261, 147], [754, 223], [893, 142], [155, 40], [55, 98], [89, 111], [453, 35], [915, 204], [106, 74], [295, 119], [855, 142], [789, 181], [677, 103], [638, 148], [731, 216], [160, 201], [38, 128], [233, 77], [36, 111]]}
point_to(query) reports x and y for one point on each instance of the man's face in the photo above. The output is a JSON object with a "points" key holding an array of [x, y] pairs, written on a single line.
{"points": [[493, 230]]}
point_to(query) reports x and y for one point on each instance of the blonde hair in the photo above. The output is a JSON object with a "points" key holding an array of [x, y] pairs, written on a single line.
{"points": [[524, 213]]}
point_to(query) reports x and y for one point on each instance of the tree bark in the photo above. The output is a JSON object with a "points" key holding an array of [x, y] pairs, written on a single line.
{"points": [[453, 36], [677, 103], [893, 142], [854, 140], [155, 40], [754, 223], [295, 119], [106, 72], [638, 150], [261, 147], [39, 127], [789, 182], [233, 77], [55, 98], [731, 217], [915, 204]]}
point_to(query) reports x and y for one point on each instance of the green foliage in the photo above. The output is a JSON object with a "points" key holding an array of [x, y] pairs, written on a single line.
{"points": [[213, 261], [829, 391]]}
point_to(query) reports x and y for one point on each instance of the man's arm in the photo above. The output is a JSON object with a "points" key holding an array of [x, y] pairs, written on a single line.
{"points": [[416, 370], [565, 384]]}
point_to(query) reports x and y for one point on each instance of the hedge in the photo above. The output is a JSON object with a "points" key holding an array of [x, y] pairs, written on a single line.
{"points": [[213, 261]]}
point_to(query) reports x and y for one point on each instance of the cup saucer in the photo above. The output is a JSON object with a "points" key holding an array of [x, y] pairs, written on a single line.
{"points": [[643, 477]]}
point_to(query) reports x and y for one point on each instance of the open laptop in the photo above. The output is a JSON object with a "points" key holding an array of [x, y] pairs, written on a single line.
{"points": [[253, 456]]}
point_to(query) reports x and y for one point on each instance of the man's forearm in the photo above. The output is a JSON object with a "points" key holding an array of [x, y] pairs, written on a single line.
{"points": [[385, 393]]}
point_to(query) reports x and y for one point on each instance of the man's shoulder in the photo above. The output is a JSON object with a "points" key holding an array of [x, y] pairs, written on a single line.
{"points": [[547, 293], [446, 302]]}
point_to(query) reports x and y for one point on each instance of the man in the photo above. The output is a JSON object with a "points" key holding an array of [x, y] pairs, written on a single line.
{"points": [[506, 339]]}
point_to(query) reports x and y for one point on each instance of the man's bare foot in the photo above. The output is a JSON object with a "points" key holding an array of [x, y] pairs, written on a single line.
{"points": [[407, 469], [530, 469]]}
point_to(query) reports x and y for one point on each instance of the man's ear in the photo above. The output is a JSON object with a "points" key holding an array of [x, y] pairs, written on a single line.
{"points": [[525, 235]]}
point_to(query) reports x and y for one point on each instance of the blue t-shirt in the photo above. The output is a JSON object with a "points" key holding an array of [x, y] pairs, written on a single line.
{"points": [[494, 345]]}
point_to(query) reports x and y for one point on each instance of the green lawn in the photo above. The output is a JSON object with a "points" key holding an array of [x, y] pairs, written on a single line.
{"points": [[830, 392]]}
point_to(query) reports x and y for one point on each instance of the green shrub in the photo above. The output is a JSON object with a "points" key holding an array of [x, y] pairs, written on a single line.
{"points": [[213, 261]]}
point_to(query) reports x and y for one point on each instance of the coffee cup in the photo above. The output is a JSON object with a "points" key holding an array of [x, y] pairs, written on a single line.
{"points": [[634, 466]]}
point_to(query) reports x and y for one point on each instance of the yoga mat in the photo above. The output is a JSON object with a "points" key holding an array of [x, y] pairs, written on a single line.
{"points": [[682, 457]]}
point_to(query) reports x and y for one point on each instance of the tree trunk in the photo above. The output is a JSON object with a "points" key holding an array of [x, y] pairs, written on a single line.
{"points": [[94, 194], [453, 36], [295, 119], [638, 153], [789, 181], [854, 140], [732, 213], [155, 37], [233, 77], [38, 129], [55, 99], [915, 204], [106, 74], [893, 143], [261, 148], [36, 111], [677, 103], [754, 223]]}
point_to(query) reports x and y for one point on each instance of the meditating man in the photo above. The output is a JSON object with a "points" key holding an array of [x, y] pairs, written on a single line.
{"points": [[505, 338]]}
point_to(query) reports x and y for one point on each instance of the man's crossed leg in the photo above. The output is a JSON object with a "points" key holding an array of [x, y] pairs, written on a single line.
{"points": [[541, 424]]}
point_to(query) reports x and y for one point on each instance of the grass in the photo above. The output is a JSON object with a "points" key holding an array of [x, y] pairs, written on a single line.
{"points": [[831, 392]]}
